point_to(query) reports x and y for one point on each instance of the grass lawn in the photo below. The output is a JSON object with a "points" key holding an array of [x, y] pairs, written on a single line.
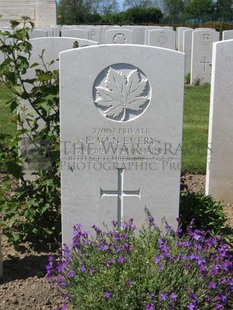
{"points": [[196, 118], [195, 129]]}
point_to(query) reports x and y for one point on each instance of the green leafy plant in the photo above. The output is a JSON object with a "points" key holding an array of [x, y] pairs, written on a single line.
{"points": [[146, 269], [30, 209], [187, 78], [206, 212]]}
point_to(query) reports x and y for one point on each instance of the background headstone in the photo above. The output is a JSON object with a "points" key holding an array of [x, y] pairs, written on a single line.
{"points": [[201, 55], [119, 36], [219, 176], [187, 46], [227, 35], [162, 38], [75, 33], [121, 131], [180, 37]]}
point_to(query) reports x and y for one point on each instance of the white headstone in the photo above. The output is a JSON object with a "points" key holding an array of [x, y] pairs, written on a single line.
{"points": [[121, 132], [162, 38], [146, 41], [180, 38], [94, 34], [219, 180], [201, 55], [119, 36], [39, 33], [138, 34], [227, 35], [103, 30], [187, 46], [75, 33]]}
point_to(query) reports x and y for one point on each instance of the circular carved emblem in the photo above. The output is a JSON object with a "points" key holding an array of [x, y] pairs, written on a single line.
{"points": [[162, 39], [205, 39], [119, 38], [121, 93]]}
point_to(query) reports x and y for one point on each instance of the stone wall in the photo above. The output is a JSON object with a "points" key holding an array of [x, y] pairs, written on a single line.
{"points": [[41, 12]]}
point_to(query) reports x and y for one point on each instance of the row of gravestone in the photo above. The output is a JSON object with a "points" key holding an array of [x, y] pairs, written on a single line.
{"points": [[196, 44], [121, 132]]}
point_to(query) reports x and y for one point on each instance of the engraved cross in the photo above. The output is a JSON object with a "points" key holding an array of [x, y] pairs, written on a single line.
{"points": [[204, 62], [120, 193]]}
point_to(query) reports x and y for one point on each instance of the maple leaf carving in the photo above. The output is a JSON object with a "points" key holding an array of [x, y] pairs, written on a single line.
{"points": [[122, 94]]}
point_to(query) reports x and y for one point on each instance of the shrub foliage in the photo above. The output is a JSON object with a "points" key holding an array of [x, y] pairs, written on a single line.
{"points": [[146, 269], [30, 209]]}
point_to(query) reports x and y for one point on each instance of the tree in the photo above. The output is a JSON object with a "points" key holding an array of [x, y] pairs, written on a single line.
{"points": [[85, 11], [139, 3], [173, 8], [197, 8], [142, 15], [224, 9], [71, 11]]}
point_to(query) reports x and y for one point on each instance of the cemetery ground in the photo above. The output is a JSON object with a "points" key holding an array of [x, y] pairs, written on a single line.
{"points": [[23, 285]]}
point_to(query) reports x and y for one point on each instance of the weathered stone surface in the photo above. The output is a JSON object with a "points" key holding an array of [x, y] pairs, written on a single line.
{"points": [[201, 56], [227, 35], [41, 12], [121, 131], [162, 38], [219, 180], [187, 46]]}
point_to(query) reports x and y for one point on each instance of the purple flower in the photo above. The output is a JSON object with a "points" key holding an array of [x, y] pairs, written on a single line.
{"points": [[107, 295], [71, 273], [151, 295], [114, 223], [179, 232], [105, 247], [66, 297], [149, 307], [82, 268], [66, 251], [163, 296], [212, 285], [117, 249], [173, 297], [219, 306], [110, 262], [214, 270], [222, 298], [158, 259], [160, 266], [191, 306], [97, 230], [128, 283], [117, 237], [127, 247], [60, 281], [120, 259], [169, 229], [92, 271], [61, 267]]}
